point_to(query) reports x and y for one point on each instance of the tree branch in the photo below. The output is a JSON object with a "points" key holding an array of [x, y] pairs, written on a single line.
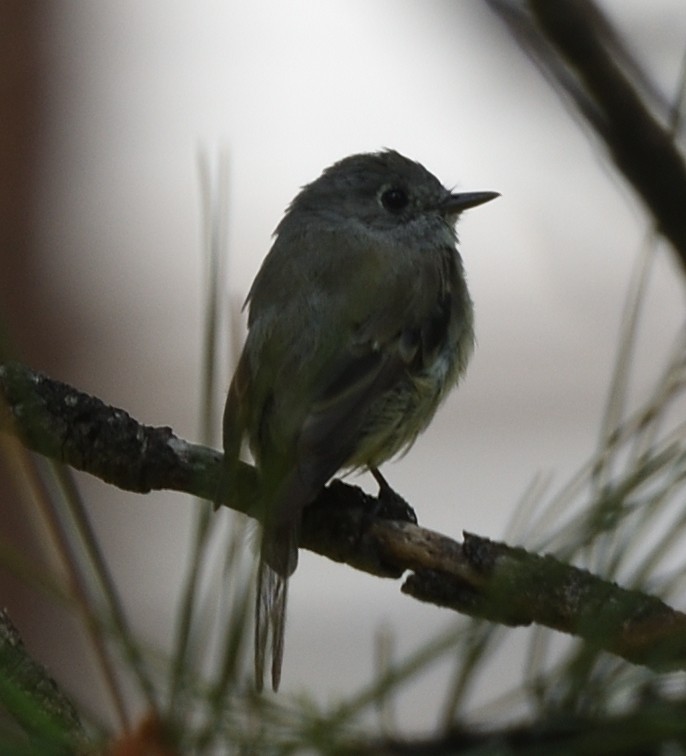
{"points": [[478, 577], [575, 45], [33, 698]]}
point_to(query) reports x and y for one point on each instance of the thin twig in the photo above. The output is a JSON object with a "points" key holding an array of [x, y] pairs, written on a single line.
{"points": [[571, 41]]}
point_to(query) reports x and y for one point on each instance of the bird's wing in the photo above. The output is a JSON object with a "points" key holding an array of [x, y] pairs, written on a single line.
{"points": [[334, 424], [327, 440]]}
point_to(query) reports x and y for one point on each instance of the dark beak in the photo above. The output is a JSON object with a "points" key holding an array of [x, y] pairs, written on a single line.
{"points": [[456, 203]]}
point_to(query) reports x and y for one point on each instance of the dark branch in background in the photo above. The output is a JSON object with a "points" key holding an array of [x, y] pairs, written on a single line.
{"points": [[575, 46], [32, 698], [478, 577], [651, 726]]}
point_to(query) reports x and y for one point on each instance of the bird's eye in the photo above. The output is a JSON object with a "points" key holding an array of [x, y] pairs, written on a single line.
{"points": [[394, 199]]}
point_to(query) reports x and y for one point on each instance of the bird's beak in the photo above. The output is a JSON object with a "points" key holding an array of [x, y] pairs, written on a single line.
{"points": [[454, 204]]}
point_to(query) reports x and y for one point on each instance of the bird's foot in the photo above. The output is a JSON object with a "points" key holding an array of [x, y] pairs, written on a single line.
{"points": [[390, 504]]}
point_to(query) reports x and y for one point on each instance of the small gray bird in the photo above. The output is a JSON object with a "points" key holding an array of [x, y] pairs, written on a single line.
{"points": [[360, 323]]}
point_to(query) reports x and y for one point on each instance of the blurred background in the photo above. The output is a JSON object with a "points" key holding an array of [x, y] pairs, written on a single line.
{"points": [[106, 106]]}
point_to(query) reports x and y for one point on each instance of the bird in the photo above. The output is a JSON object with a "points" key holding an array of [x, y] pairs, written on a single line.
{"points": [[359, 324]]}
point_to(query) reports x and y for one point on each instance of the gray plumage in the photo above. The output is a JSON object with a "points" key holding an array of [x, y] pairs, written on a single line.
{"points": [[360, 323]]}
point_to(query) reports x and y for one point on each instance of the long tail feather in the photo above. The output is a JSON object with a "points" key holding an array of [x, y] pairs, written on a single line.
{"points": [[270, 620], [278, 623]]}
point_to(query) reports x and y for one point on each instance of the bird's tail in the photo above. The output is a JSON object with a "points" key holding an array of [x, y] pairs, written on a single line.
{"points": [[278, 560], [270, 620]]}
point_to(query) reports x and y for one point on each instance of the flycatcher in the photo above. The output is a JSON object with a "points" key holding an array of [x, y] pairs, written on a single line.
{"points": [[359, 325]]}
